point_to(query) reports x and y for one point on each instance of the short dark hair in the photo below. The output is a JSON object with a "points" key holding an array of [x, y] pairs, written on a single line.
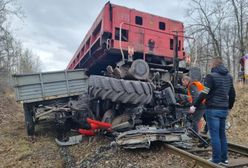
{"points": [[216, 61]]}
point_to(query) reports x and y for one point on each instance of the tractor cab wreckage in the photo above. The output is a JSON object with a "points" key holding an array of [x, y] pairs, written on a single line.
{"points": [[123, 82]]}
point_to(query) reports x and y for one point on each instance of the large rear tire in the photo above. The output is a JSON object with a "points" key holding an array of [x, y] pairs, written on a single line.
{"points": [[119, 90], [29, 120]]}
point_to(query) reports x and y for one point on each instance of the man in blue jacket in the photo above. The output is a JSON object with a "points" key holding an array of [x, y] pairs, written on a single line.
{"points": [[220, 96]]}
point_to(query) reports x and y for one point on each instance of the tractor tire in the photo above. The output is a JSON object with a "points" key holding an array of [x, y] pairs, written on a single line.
{"points": [[29, 121], [119, 90]]}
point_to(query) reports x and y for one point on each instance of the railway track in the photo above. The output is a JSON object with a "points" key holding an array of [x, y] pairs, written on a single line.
{"points": [[237, 154]]}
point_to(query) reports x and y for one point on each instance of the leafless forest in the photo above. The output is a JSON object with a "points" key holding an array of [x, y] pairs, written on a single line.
{"points": [[219, 29], [14, 58]]}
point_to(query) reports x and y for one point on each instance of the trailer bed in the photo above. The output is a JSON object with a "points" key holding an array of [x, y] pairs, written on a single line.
{"points": [[35, 87]]}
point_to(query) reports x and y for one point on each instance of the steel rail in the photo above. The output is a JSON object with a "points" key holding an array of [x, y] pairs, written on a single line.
{"points": [[188, 156], [235, 147], [202, 162], [238, 148]]}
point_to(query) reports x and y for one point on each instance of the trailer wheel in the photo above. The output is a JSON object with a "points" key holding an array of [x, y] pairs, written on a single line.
{"points": [[120, 119], [108, 116], [119, 90], [29, 121]]}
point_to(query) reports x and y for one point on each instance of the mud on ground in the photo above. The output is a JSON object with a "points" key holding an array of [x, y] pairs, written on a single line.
{"points": [[17, 150]]}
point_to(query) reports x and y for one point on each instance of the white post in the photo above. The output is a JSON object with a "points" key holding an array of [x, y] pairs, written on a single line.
{"points": [[246, 68]]}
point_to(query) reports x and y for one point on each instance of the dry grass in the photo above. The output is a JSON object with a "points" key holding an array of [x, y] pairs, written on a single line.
{"points": [[238, 117], [17, 150]]}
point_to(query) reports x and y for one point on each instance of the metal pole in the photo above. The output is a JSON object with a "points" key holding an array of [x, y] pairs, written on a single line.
{"points": [[175, 59]]}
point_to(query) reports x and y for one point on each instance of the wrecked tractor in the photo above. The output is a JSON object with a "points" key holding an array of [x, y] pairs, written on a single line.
{"points": [[141, 107], [122, 81]]}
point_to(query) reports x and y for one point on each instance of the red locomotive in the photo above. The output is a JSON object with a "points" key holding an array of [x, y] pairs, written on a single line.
{"points": [[123, 34]]}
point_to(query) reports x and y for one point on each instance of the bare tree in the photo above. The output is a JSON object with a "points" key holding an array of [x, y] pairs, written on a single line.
{"points": [[28, 62], [240, 8], [220, 30], [208, 17], [13, 57]]}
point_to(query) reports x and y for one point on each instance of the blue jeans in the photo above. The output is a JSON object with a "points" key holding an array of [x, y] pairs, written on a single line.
{"points": [[216, 120]]}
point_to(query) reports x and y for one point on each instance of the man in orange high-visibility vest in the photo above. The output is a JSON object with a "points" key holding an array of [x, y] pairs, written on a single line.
{"points": [[193, 89]]}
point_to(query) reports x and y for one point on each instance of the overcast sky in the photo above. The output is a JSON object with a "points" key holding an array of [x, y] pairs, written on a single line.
{"points": [[53, 29]]}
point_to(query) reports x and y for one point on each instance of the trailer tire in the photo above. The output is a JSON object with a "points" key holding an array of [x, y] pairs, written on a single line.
{"points": [[120, 119], [108, 116], [29, 121], [120, 90]]}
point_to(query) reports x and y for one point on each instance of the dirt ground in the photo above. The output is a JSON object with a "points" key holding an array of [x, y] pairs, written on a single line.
{"points": [[238, 117], [18, 150]]}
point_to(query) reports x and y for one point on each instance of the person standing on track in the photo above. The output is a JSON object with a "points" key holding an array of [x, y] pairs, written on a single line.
{"points": [[220, 95]]}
